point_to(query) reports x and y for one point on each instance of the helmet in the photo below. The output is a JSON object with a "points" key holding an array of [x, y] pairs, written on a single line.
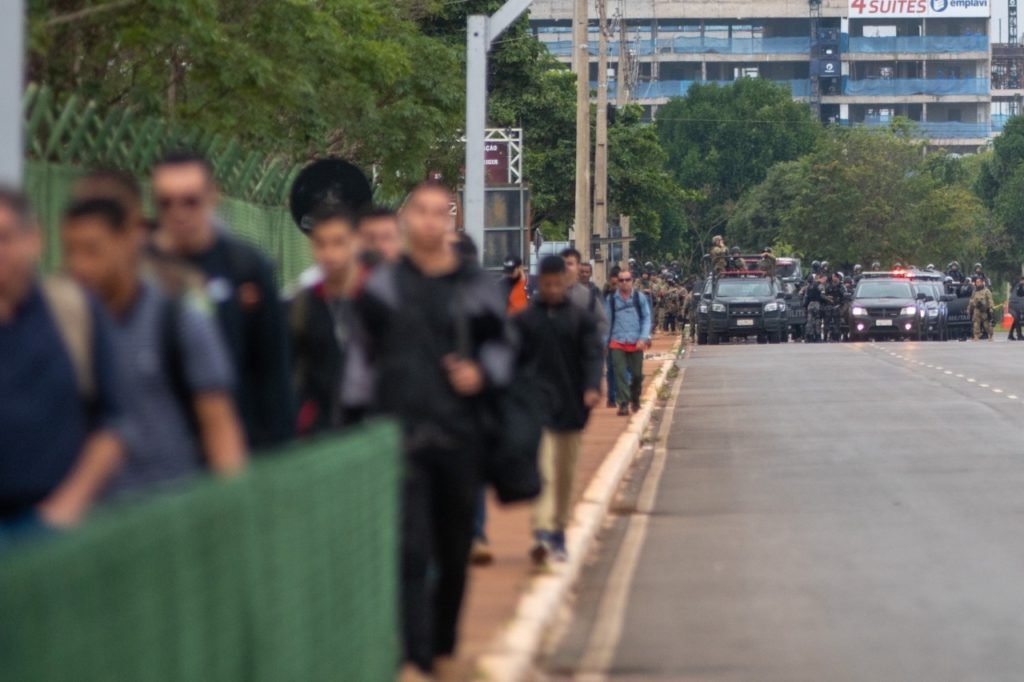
{"points": [[954, 265], [824, 265], [815, 265], [948, 281], [876, 266], [930, 268], [840, 275], [977, 266], [857, 269], [735, 251], [897, 265]]}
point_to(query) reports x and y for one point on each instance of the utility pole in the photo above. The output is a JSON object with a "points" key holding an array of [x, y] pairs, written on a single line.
{"points": [[601, 146], [481, 32], [626, 77], [12, 47], [581, 65]]}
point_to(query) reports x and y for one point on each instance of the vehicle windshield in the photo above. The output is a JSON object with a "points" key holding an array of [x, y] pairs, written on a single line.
{"points": [[736, 288], [928, 289], [882, 289], [787, 269]]}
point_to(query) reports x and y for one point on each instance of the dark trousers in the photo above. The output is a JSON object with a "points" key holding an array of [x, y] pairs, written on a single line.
{"points": [[629, 375], [1015, 330], [439, 502]]}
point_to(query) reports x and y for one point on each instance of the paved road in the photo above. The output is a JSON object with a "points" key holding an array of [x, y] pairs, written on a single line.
{"points": [[825, 513]]}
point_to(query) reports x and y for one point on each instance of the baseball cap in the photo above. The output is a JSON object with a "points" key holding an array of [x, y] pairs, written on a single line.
{"points": [[512, 262]]}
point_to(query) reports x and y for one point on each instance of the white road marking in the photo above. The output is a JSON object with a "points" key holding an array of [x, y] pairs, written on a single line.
{"points": [[983, 385], [1012, 397], [970, 381], [611, 614], [948, 372], [997, 390]]}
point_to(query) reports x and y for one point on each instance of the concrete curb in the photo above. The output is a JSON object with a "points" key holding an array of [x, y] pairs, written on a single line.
{"points": [[510, 657]]}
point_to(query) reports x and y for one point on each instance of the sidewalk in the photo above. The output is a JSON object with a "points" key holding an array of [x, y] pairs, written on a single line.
{"points": [[494, 590]]}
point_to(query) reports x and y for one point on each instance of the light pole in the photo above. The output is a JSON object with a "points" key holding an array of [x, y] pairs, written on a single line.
{"points": [[12, 32], [481, 31]]}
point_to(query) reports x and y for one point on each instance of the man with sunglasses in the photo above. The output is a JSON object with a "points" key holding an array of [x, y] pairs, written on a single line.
{"points": [[629, 315], [240, 282]]}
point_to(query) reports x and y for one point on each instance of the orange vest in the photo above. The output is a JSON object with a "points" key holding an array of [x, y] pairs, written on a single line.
{"points": [[517, 299]]}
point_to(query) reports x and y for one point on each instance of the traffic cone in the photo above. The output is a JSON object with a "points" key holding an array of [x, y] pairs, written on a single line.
{"points": [[1007, 316]]}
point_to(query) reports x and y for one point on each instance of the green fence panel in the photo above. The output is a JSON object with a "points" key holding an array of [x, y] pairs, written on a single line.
{"points": [[267, 227], [288, 572]]}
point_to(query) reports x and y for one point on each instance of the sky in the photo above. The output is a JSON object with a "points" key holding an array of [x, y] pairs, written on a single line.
{"points": [[999, 13]]}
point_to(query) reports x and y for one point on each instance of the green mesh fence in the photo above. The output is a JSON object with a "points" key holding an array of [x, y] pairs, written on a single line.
{"points": [[286, 573], [269, 228]]}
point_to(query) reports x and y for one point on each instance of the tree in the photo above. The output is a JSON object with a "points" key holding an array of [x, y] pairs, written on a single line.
{"points": [[721, 141], [355, 78], [865, 195]]}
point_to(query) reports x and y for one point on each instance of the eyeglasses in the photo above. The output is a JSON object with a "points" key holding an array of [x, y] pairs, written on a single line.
{"points": [[188, 201]]}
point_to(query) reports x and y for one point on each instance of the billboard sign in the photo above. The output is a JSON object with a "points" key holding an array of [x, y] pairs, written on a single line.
{"points": [[496, 160], [919, 9]]}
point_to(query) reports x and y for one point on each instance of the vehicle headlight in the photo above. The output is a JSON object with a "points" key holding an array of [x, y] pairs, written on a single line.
{"points": [[909, 310], [703, 307], [921, 312], [771, 307], [934, 312], [718, 307], [859, 311]]}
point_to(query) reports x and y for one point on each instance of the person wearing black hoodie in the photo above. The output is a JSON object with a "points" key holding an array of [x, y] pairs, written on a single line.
{"points": [[568, 368], [439, 344]]}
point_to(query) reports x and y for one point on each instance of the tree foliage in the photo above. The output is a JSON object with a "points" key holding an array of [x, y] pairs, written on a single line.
{"points": [[863, 195], [722, 140]]}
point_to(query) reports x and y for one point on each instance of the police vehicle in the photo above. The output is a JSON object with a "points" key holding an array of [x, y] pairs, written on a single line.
{"points": [[885, 305], [741, 304], [933, 310]]}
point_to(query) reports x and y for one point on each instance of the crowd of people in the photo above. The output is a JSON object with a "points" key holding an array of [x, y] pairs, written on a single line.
{"points": [[164, 350]]}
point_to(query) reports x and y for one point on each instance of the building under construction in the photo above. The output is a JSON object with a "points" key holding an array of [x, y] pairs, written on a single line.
{"points": [[856, 62]]}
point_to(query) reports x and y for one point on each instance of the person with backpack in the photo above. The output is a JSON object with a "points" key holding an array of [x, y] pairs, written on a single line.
{"points": [[325, 330], [439, 345], [57, 364], [241, 284], [568, 365], [176, 377], [629, 315]]}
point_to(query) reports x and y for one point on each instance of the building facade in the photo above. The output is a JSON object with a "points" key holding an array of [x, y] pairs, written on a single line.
{"points": [[857, 62]]}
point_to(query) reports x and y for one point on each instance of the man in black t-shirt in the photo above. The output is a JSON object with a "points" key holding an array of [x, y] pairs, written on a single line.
{"points": [[240, 282]]}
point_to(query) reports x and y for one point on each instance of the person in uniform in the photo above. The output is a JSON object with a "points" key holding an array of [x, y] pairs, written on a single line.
{"points": [[736, 261], [954, 273], [692, 303], [1017, 310], [719, 254], [767, 264], [980, 308]]}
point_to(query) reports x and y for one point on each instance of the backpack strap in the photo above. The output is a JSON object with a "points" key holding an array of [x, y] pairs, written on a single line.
{"points": [[71, 313], [173, 359], [639, 307]]}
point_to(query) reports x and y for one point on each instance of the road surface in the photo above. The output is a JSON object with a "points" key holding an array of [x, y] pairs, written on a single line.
{"points": [[821, 513]]}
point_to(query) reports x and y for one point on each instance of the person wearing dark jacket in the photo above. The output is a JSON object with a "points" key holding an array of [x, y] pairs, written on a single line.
{"points": [[568, 366], [240, 282], [1017, 310], [439, 343], [325, 331]]}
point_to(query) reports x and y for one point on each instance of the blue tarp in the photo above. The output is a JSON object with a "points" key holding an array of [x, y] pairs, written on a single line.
{"points": [[917, 86], [917, 44]]}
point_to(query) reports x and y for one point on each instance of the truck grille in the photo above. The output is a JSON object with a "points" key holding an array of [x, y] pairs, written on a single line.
{"points": [[884, 312], [745, 310]]}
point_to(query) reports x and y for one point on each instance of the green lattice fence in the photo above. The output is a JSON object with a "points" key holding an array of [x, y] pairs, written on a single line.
{"points": [[65, 136], [287, 573]]}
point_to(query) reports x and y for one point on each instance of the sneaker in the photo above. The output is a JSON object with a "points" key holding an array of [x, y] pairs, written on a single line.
{"points": [[635, 407], [558, 551], [623, 410], [541, 548], [481, 554]]}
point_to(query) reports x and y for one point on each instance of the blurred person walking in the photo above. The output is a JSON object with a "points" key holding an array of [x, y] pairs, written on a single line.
{"points": [[437, 335], [381, 236], [60, 440], [514, 285], [325, 330], [586, 297], [175, 372], [240, 282], [568, 364]]}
